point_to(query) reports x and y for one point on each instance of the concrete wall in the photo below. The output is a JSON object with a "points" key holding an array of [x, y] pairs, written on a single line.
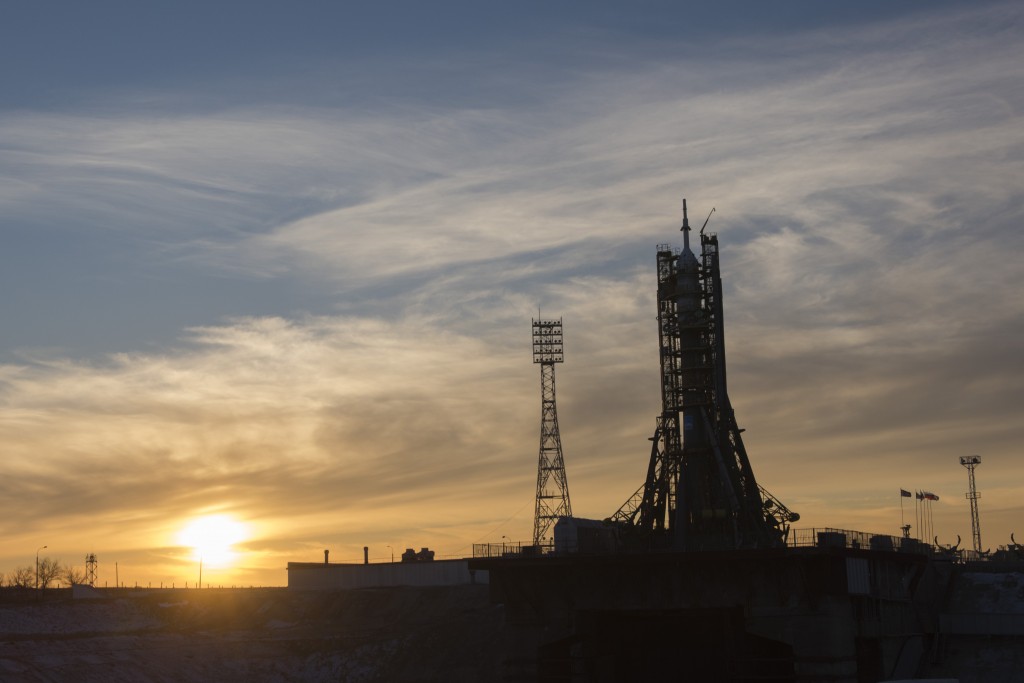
{"points": [[795, 615], [320, 576], [985, 601]]}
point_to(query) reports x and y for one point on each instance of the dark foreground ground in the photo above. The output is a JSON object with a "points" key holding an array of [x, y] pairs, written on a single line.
{"points": [[261, 634]]}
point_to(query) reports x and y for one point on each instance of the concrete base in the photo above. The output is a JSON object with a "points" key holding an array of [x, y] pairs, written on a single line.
{"points": [[774, 615]]}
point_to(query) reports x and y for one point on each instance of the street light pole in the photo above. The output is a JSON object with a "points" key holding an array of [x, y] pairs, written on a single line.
{"points": [[392, 554], [37, 565]]}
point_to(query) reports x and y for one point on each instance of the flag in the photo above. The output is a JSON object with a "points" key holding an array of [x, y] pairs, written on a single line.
{"points": [[920, 496], [905, 494], [930, 496]]}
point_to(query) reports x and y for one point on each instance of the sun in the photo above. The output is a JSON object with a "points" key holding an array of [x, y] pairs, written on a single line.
{"points": [[212, 539]]}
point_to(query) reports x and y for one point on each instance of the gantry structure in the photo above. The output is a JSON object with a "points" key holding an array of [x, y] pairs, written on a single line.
{"points": [[700, 492], [552, 486]]}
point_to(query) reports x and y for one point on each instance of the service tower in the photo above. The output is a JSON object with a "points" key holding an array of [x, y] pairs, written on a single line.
{"points": [[700, 492]]}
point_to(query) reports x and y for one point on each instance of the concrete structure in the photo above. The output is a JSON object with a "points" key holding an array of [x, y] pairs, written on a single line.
{"points": [[783, 615], [322, 576]]}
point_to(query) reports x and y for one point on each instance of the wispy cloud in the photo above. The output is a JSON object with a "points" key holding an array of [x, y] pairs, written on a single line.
{"points": [[867, 185], [266, 417]]}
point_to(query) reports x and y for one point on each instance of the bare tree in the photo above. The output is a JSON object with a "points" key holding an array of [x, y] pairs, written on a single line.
{"points": [[50, 572], [22, 577], [72, 576]]}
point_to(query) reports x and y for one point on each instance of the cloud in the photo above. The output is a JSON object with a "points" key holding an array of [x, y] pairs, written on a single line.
{"points": [[324, 417], [867, 189]]}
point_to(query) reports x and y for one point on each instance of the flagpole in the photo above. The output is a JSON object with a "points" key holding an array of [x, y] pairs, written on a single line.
{"points": [[931, 527], [917, 510], [931, 522], [904, 527], [924, 518], [927, 521]]}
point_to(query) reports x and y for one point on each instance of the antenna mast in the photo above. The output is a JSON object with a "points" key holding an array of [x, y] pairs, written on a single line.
{"points": [[552, 486], [970, 462]]}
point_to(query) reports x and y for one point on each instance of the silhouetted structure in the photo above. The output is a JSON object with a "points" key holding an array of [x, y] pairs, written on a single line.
{"points": [[700, 492], [552, 486], [91, 563], [698, 576], [970, 462]]}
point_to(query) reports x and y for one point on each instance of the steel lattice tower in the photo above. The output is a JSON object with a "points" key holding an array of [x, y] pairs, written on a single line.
{"points": [[90, 569], [970, 462], [552, 486], [700, 492]]}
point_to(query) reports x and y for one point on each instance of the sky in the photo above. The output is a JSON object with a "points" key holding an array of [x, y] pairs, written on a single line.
{"points": [[276, 263]]}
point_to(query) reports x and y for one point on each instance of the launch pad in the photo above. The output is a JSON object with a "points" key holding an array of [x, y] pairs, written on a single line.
{"points": [[781, 615], [697, 577]]}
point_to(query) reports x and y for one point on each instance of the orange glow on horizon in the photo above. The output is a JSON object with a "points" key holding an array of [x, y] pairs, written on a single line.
{"points": [[212, 539]]}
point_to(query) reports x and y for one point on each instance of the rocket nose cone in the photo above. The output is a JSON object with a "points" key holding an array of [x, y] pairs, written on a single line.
{"points": [[687, 259]]}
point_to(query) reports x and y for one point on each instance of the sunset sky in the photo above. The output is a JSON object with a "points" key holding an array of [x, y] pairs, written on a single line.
{"points": [[276, 263]]}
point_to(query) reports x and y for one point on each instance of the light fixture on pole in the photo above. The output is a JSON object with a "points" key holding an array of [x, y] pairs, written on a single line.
{"points": [[37, 565], [970, 462]]}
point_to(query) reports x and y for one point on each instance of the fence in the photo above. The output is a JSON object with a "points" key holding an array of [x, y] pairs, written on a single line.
{"points": [[506, 549], [798, 538], [846, 538]]}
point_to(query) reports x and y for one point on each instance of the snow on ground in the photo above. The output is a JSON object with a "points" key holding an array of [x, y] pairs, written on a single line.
{"points": [[258, 635], [988, 593]]}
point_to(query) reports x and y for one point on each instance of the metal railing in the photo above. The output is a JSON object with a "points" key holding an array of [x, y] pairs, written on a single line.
{"points": [[847, 538], [510, 549], [826, 537]]}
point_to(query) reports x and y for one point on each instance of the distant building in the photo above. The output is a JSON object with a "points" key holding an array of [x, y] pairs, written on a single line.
{"points": [[324, 576]]}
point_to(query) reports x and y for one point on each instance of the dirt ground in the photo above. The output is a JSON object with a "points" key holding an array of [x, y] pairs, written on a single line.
{"points": [[260, 634]]}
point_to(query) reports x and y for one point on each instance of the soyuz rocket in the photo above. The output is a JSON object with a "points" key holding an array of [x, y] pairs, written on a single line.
{"points": [[700, 492], [690, 315], [702, 507]]}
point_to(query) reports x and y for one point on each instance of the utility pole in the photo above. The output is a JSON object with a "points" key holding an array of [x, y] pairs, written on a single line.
{"points": [[37, 565], [970, 462], [552, 486]]}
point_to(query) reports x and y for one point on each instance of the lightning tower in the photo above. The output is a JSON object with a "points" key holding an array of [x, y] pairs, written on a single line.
{"points": [[552, 487], [700, 492], [970, 462], [90, 569]]}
